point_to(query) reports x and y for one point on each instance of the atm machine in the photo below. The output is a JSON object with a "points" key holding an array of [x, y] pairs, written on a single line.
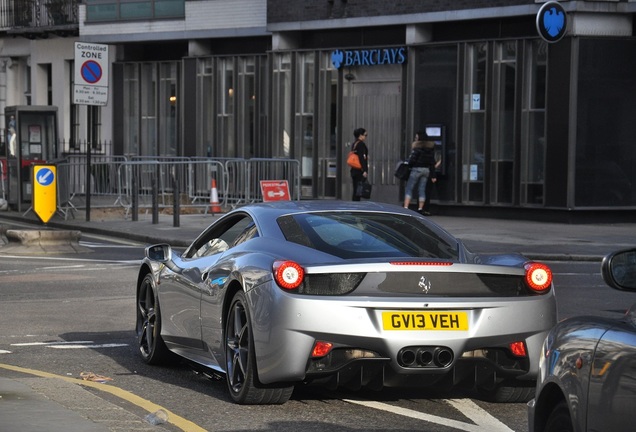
{"points": [[437, 134], [31, 138]]}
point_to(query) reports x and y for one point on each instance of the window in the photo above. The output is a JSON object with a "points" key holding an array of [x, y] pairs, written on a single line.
{"points": [[225, 113], [474, 122], [304, 128], [533, 123], [205, 109], [503, 123], [281, 106], [151, 114], [366, 235], [117, 10], [131, 109], [232, 231]]}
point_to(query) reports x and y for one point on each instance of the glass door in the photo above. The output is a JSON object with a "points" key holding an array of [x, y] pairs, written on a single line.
{"points": [[502, 165], [533, 123], [474, 119]]}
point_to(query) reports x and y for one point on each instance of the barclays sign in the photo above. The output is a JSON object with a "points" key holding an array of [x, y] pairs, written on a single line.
{"points": [[552, 23], [368, 57]]}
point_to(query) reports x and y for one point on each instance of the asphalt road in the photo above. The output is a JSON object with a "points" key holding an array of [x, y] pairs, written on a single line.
{"points": [[72, 315]]}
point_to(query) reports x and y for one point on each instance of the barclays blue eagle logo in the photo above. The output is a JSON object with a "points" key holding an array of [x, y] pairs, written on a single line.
{"points": [[337, 58], [553, 22]]}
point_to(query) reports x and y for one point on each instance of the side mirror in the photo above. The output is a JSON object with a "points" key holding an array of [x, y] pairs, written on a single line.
{"points": [[159, 252], [619, 270]]}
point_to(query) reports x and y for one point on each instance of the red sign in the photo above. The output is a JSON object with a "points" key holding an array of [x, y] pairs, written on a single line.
{"points": [[275, 190]]}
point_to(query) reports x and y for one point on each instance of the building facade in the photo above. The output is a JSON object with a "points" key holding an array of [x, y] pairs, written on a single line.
{"points": [[522, 124]]}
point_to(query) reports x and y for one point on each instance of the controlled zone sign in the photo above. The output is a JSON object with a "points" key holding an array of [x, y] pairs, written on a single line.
{"points": [[44, 191], [275, 190], [91, 74]]}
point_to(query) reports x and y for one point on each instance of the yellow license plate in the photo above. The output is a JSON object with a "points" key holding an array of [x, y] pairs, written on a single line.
{"points": [[398, 320]]}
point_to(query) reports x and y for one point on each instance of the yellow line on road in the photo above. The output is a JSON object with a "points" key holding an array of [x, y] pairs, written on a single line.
{"points": [[180, 422]]}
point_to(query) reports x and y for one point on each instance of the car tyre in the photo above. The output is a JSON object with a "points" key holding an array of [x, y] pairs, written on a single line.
{"points": [[559, 419], [152, 348], [240, 357], [508, 392]]}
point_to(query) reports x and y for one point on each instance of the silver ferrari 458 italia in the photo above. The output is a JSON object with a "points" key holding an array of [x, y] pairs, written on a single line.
{"points": [[351, 294]]}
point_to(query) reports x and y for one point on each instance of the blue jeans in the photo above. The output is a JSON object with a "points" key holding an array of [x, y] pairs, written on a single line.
{"points": [[419, 176]]}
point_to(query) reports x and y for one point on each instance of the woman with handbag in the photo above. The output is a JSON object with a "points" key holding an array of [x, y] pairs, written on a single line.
{"points": [[422, 164], [359, 171]]}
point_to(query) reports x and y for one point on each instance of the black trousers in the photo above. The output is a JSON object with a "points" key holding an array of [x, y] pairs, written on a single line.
{"points": [[357, 177]]}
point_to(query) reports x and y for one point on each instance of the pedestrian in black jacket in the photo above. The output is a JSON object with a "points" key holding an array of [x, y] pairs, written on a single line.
{"points": [[359, 146]]}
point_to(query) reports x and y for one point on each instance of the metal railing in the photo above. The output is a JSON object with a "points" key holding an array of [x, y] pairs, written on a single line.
{"points": [[35, 14], [2, 181], [244, 175], [144, 182]]}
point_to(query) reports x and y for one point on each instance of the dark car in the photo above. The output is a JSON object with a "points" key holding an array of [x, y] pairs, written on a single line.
{"points": [[587, 376]]}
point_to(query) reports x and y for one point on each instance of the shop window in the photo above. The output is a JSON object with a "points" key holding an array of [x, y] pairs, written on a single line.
{"points": [[304, 129], [325, 134], [502, 166], [168, 103], [231, 118], [225, 111], [281, 105], [435, 102], [148, 87], [246, 109], [605, 154], [150, 115], [131, 109], [205, 108], [474, 130], [533, 118]]}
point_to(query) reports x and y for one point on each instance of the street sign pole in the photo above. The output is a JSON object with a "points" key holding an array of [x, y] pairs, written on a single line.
{"points": [[90, 88], [89, 145]]}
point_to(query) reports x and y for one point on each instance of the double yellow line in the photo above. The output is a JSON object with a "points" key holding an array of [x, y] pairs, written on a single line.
{"points": [[180, 422]]}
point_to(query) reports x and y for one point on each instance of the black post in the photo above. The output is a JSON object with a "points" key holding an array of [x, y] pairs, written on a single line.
{"points": [[175, 202], [135, 195], [89, 144], [155, 201]]}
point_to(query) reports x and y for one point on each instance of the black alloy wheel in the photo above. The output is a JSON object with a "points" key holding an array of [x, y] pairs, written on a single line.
{"points": [[240, 360], [151, 346]]}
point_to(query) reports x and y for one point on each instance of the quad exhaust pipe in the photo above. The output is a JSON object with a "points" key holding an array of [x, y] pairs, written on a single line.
{"points": [[425, 357]]}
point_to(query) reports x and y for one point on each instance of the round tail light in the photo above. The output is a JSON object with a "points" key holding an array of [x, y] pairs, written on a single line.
{"points": [[538, 276], [288, 274]]}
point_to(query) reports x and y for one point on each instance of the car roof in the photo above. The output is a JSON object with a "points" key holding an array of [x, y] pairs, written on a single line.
{"points": [[278, 208]]}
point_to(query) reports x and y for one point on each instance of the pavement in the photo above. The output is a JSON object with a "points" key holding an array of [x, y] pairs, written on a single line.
{"points": [[24, 402]]}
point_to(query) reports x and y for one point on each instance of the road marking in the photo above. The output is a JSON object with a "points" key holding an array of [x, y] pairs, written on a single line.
{"points": [[46, 258], [50, 343], [178, 421], [483, 421], [70, 345], [111, 345], [5, 352]]}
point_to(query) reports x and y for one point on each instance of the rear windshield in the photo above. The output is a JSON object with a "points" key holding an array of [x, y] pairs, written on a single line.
{"points": [[352, 235]]}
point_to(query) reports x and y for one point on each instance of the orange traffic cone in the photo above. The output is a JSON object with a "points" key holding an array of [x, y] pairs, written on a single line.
{"points": [[215, 207]]}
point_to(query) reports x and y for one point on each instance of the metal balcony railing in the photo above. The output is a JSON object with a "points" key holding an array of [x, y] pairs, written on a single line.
{"points": [[32, 16]]}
